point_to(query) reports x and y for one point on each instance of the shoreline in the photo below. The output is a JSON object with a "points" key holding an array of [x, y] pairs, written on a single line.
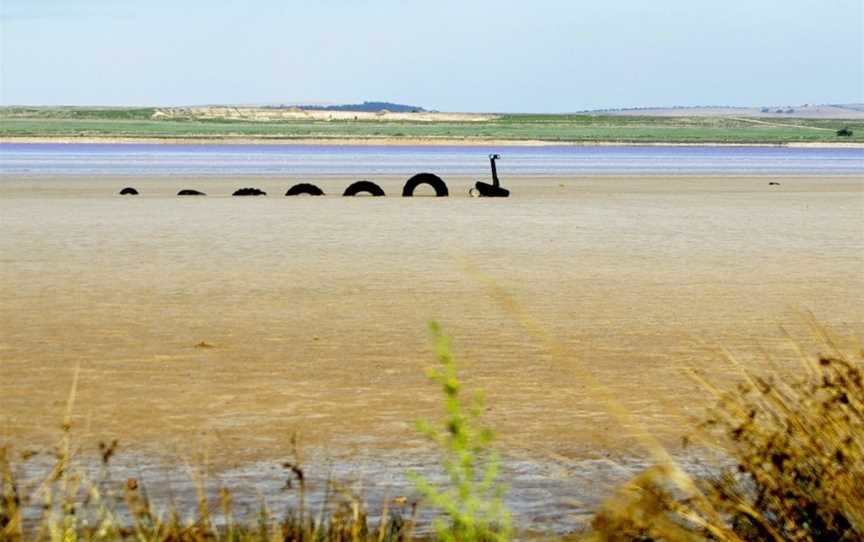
{"points": [[347, 177], [391, 141]]}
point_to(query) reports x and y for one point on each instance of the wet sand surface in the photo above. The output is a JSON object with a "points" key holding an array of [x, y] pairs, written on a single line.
{"points": [[316, 311]]}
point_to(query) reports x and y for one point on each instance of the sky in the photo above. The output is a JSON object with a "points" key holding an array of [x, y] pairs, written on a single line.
{"points": [[451, 55]]}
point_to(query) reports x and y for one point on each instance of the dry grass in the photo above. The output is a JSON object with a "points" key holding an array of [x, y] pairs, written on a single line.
{"points": [[797, 444], [74, 506]]}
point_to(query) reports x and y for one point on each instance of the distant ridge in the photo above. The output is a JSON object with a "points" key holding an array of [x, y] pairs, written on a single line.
{"points": [[366, 107], [811, 111]]}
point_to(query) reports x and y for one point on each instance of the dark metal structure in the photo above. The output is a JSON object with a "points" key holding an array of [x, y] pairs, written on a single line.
{"points": [[494, 190]]}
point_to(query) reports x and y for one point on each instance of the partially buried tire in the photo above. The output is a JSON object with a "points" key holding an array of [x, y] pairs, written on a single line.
{"points": [[128, 191], [432, 180], [304, 189], [190, 192], [364, 186], [249, 192]]}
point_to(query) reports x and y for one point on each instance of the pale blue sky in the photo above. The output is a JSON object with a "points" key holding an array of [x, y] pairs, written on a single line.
{"points": [[503, 55]]}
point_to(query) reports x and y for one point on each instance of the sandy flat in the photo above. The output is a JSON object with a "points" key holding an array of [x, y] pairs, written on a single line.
{"points": [[316, 309]]}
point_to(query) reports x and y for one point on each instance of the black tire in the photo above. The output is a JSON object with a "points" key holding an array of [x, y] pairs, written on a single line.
{"points": [[364, 186], [249, 192], [128, 191], [190, 192], [304, 188], [432, 180]]}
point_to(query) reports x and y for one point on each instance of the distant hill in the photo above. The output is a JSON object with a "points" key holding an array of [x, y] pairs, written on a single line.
{"points": [[366, 107], [806, 111]]}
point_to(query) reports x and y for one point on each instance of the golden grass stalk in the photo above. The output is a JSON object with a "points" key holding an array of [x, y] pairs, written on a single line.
{"points": [[797, 447], [675, 474]]}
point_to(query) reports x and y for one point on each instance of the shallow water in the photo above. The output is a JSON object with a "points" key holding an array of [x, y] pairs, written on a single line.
{"points": [[304, 160], [546, 496], [316, 311]]}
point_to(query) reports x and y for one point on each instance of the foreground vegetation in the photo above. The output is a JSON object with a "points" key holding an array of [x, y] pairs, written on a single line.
{"points": [[139, 123], [794, 445], [797, 444]]}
